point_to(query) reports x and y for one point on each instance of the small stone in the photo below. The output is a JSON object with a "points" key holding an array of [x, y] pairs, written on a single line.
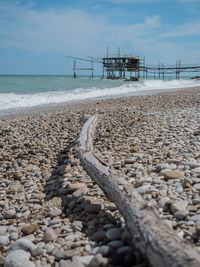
{"points": [[173, 175], [98, 236], [8, 214], [75, 186], [80, 192], [54, 213], [196, 201], [143, 189], [77, 225], [179, 189], [181, 214], [197, 186], [37, 251], [66, 254], [93, 207], [14, 236], [129, 161], [104, 250], [63, 263], [113, 234], [135, 149], [163, 203], [29, 229], [18, 258], [123, 249], [97, 260], [115, 243], [49, 235], [178, 205], [4, 240], [3, 230], [22, 244], [195, 218], [85, 259]]}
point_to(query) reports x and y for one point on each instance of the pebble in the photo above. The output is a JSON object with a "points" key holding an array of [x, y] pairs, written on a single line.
{"points": [[181, 214], [55, 213], [4, 240], [67, 254], [63, 263], [97, 260], [178, 205], [49, 235], [18, 258], [173, 174], [93, 207], [43, 183], [8, 214], [113, 234], [115, 243], [197, 186], [29, 229], [98, 236], [103, 250], [85, 259], [22, 244], [75, 186]]}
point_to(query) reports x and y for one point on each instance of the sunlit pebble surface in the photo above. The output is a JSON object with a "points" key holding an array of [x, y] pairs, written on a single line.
{"points": [[52, 214]]}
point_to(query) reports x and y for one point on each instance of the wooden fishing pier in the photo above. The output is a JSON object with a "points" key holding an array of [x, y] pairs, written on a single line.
{"points": [[132, 68]]}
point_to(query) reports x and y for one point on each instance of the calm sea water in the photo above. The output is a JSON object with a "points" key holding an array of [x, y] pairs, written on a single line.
{"points": [[21, 91]]}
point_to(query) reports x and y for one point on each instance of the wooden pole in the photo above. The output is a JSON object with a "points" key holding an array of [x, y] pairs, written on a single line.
{"points": [[163, 72], [159, 69], [92, 67], [74, 69], [150, 234]]}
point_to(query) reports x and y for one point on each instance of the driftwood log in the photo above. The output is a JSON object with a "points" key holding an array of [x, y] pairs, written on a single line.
{"points": [[153, 237]]}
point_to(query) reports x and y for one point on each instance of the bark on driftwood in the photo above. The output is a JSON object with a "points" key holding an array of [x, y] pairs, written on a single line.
{"points": [[161, 245]]}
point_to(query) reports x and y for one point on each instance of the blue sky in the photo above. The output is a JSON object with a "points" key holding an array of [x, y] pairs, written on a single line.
{"points": [[35, 35]]}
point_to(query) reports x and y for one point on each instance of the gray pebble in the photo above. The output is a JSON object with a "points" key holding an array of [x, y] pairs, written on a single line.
{"points": [[4, 240], [98, 236], [8, 214], [54, 213], [18, 258], [113, 234]]}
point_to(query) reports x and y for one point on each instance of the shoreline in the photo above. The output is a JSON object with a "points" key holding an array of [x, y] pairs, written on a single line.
{"points": [[25, 111]]}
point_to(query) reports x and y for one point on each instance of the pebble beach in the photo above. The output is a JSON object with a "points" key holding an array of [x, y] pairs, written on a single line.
{"points": [[53, 214]]}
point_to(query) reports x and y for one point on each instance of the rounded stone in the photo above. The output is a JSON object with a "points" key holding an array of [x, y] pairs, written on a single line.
{"points": [[29, 229], [54, 213], [18, 258], [4, 240], [22, 244], [98, 236], [9, 214], [173, 174], [93, 207], [49, 235], [113, 234]]}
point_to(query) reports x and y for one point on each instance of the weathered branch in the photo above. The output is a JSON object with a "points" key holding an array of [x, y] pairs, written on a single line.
{"points": [[161, 245]]}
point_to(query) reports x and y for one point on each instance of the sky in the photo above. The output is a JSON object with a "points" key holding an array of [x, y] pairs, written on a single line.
{"points": [[36, 35]]}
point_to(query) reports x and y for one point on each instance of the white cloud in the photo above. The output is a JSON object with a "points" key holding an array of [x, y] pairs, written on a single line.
{"points": [[66, 31], [183, 30], [75, 32]]}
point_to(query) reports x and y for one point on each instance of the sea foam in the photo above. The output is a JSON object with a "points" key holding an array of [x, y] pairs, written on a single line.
{"points": [[12, 100]]}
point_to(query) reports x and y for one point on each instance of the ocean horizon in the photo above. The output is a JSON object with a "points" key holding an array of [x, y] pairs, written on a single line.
{"points": [[25, 91]]}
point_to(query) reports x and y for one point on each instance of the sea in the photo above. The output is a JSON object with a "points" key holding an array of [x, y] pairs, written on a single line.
{"points": [[28, 91]]}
